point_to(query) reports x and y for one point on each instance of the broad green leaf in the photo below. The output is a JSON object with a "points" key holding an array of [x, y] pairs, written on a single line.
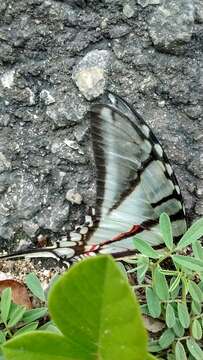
{"points": [[101, 310], [180, 351], [5, 304], [39, 345], [196, 330], [198, 250], [33, 283], [178, 328], [195, 292], [95, 308], [191, 235], [194, 349], [143, 264], [170, 316], [153, 302], [166, 338], [144, 248], [188, 262], [160, 284], [27, 328], [34, 314], [183, 315], [16, 316], [166, 230]]}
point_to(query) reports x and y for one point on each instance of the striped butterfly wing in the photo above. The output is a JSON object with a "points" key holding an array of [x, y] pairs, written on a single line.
{"points": [[135, 182]]}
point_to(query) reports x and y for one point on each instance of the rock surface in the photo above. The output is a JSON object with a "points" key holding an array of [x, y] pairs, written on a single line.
{"points": [[46, 48], [172, 23]]}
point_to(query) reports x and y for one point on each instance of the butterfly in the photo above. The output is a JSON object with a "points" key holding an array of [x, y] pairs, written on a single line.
{"points": [[135, 184]]}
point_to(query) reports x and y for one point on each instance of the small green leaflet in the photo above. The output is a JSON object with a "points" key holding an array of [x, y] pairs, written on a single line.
{"points": [[198, 250], [153, 302], [180, 351], [195, 292], [166, 338], [170, 316], [196, 330], [183, 315], [144, 248], [165, 226], [160, 284], [191, 235], [188, 262], [194, 349], [33, 283], [5, 304]]}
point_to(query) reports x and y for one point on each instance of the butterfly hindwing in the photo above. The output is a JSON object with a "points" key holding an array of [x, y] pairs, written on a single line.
{"points": [[135, 182]]}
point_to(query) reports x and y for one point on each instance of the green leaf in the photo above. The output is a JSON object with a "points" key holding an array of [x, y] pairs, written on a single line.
{"points": [[143, 264], [166, 338], [198, 250], [154, 346], [196, 330], [180, 351], [153, 302], [144, 248], [2, 337], [183, 315], [195, 292], [160, 284], [111, 312], [27, 328], [34, 314], [33, 283], [178, 328], [196, 308], [170, 316], [194, 349], [175, 283], [150, 357], [166, 230], [5, 304], [39, 345], [192, 234], [16, 316], [188, 262]]}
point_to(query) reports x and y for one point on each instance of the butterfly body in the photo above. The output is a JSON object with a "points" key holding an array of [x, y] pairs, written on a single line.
{"points": [[135, 184]]}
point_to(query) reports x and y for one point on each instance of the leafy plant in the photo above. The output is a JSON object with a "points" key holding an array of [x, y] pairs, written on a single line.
{"points": [[97, 314], [173, 285], [16, 319]]}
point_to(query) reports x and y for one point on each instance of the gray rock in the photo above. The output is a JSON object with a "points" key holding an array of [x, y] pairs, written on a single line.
{"points": [[74, 197], [90, 73], [198, 11], [129, 9], [145, 3], [54, 217], [171, 25]]}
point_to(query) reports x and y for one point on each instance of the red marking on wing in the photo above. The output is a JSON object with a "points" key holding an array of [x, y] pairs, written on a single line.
{"points": [[133, 231]]}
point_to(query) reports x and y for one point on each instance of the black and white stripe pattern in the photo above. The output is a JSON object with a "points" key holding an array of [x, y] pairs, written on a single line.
{"points": [[135, 184]]}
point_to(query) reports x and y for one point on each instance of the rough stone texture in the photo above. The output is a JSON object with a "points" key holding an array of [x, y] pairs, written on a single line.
{"points": [[172, 24], [45, 148]]}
